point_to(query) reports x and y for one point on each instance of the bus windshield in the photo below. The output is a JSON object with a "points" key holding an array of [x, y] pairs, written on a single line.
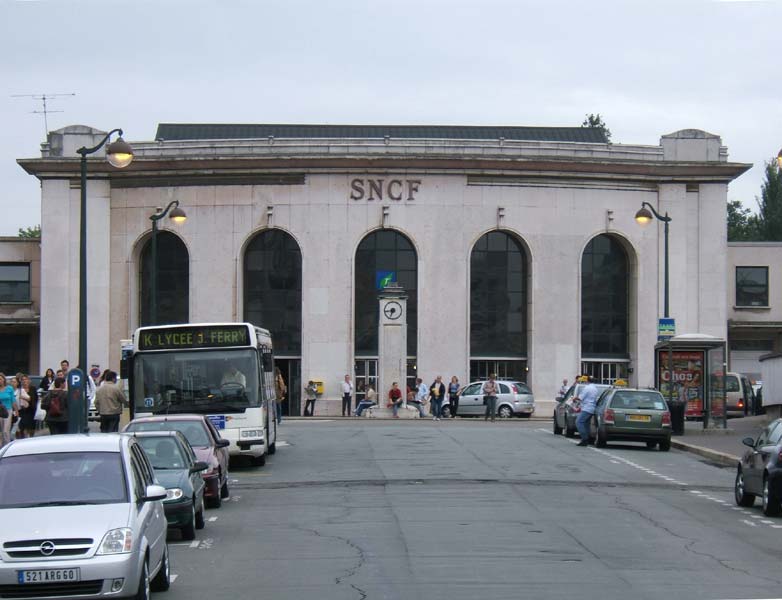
{"points": [[196, 381]]}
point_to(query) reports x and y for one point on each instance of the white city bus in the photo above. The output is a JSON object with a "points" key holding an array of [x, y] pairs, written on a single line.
{"points": [[222, 370]]}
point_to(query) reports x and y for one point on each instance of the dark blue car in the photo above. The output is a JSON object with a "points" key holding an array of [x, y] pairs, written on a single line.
{"points": [[759, 472]]}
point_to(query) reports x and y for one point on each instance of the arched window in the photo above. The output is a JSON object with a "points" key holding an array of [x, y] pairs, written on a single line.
{"points": [[383, 255], [604, 300], [498, 307], [173, 280], [272, 288]]}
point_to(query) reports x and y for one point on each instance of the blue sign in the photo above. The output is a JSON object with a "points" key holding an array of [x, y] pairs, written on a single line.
{"points": [[383, 278], [77, 401], [666, 329], [217, 420]]}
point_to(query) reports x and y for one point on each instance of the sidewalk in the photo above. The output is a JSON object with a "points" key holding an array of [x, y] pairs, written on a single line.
{"points": [[722, 446]]}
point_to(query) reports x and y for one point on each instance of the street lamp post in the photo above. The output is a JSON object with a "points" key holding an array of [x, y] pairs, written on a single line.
{"points": [[177, 216], [643, 217], [120, 155]]}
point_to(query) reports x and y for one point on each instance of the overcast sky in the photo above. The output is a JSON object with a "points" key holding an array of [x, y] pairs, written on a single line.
{"points": [[649, 67]]}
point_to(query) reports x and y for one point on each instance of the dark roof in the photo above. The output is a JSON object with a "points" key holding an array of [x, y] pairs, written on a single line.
{"points": [[206, 131]]}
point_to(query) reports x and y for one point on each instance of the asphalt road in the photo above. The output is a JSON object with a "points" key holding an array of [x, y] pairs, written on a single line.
{"points": [[466, 510]]}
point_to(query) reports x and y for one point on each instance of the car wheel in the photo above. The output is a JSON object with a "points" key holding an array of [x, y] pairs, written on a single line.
{"points": [[651, 445], [143, 583], [445, 412], [162, 580], [665, 445], [771, 501], [273, 448], [504, 412], [601, 440], [199, 517], [743, 498], [215, 501], [557, 428], [224, 491], [188, 531], [259, 461], [569, 431]]}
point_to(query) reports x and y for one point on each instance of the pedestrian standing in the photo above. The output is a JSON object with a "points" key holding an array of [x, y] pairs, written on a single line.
{"points": [[489, 391], [453, 395], [55, 403], [280, 390], [27, 403], [395, 399], [109, 401], [588, 399], [7, 398], [47, 380], [347, 395], [436, 395], [311, 393]]}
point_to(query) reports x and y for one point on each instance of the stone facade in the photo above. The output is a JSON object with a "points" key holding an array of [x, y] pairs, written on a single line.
{"points": [[554, 197]]}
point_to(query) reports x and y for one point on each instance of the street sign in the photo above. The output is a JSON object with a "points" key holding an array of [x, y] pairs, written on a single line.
{"points": [[666, 329], [77, 403]]}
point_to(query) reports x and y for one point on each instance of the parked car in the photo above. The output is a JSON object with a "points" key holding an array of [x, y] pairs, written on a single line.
{"points": [[635, 415], [179, 471], [206, 442], [82, 516], [568, 408], [739, 395], [514, 400], [759, 473]]}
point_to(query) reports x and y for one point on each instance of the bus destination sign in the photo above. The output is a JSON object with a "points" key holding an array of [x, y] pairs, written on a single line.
{"points": [[204, 336]]}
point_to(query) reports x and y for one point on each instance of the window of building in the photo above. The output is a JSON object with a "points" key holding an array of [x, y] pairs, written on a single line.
{"points": [[15, 282], [173, 280], [604, 299], [751, 286], [381, 257], [756, 345], [498, 298], [14, 353], [272, 288]]}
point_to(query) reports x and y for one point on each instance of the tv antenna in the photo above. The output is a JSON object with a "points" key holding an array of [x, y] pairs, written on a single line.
{"points": [[45, 110]]}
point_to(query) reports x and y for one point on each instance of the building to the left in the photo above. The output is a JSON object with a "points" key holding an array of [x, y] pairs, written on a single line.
{"points": [[20, 313]]}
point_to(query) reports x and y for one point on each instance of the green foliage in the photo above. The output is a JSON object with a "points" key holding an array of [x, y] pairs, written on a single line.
{"points": [[30, 232], [770, 205], [742, 224], [592, 120]]}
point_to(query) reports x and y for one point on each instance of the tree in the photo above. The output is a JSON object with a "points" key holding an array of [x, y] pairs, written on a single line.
{"points": [[742, 224], [30, 232], [597, 122], [769, 217]]}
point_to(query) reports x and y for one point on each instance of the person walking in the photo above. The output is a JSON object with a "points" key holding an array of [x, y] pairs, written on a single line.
{"points": [[453, 395], [436, 395], [55, 403], [280, 389], [588, 399], [311, 394], [347, 395], [395, 399], [109, 400], [7, 398], [26, 403], [489, 391]]}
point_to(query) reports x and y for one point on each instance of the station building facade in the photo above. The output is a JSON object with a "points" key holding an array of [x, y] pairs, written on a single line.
{"points": [[517, 246]]}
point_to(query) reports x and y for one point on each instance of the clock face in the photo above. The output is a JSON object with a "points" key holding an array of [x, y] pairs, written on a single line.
{"points": [[392, 310]]}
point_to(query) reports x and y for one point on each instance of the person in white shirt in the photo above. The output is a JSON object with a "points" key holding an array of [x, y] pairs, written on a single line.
{"points": [[347, 395], [564, 388], [421, 393]]}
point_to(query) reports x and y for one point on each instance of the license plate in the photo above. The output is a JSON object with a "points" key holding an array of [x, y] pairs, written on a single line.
{"points": [[217, 420], [48, 575], [641, 418]]}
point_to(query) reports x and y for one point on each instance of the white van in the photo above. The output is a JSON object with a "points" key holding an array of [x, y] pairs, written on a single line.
{"points": [[739, 395]]}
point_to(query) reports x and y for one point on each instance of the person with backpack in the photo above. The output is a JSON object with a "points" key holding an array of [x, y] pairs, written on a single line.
{"points": [[55, 403]]}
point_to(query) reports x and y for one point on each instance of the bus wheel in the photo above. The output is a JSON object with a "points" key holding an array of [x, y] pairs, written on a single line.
{"points": [[273, 448]]}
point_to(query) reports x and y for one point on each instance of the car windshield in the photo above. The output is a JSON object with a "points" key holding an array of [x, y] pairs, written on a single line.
{"points": [[62, 479], [163, 452], [194, 431], [640, 400]]}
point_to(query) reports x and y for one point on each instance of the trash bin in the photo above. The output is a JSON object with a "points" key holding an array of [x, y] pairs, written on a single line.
{"points": [[677, 417]]}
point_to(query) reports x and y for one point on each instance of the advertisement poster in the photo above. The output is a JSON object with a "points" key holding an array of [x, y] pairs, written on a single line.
{"points": [[687, 384]]}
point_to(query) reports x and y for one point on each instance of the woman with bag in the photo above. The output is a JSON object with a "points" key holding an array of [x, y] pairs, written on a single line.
{"points": [[26, 404], [55, 403], [7, 398]]}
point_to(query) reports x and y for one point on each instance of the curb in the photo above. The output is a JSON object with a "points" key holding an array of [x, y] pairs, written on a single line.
{"points": [[721, 458]]}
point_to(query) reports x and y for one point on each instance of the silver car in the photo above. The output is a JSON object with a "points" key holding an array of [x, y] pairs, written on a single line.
{"points": [[514, 399], [82, 516]]}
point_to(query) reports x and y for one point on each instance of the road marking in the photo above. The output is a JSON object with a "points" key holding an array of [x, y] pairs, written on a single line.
{"points": [[173, 577], [194, 544], [767, 522], [749, 523], [212, 519], [207, 544], [235, 498], [182, 544]]}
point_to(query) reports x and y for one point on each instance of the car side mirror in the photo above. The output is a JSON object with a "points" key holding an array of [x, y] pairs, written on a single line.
{"points": [[199, 466], [154, 492], [748, 441], [221, 443]]}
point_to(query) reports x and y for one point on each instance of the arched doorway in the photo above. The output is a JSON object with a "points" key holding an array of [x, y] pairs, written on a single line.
{"points": [[498, 307], [173, 280], [272, 300]]}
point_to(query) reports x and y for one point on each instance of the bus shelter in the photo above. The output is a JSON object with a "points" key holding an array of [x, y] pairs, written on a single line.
{"points": [[690, 374]]}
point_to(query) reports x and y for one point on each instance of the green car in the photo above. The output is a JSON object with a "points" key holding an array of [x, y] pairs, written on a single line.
{"points": [[635, 415]]}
